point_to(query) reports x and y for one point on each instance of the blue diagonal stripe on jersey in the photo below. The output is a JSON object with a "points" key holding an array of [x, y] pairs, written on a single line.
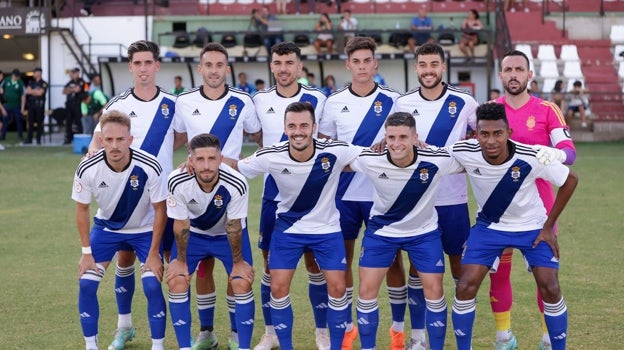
{"points": [[366, 133], [128, 201], [311, 99], [223, 126], [444, 123], [155, 136], [270, 187], [503, 194], [309, 194], [215, 211], [407, 198]]}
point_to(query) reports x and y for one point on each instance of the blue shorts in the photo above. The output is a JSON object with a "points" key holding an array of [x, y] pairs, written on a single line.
{"points": [[425, 251], [202, 247], [575, 109], [267, 223], [454, 222], [352, 215], [485, 245], [287, 248], [104, 244]]}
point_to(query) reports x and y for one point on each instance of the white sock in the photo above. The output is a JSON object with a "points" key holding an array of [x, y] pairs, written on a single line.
{"points": [[398, 326], [418, 334], [158, 344], [91, 342], [545, 338], [503, 335], [124, 321], [322, 331], [269, 330]]}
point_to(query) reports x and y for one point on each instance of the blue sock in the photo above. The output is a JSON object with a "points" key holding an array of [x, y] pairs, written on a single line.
{"points": [[436, 323], [124, 289], [180, 309], [398, 302], [463, 319], [282, 316], [556, 317], [317, 290], [417, 305], [231, 305], [265, 298], [245, 308], [367, 312], [156, 306], [337, 320], [88, 306], [206, 308]]}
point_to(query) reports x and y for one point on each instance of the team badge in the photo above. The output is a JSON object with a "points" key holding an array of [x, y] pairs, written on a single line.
{"points": [[452, 109], [424, 175], [325, 164], [530, 122], [378, 107], [164, 109], [171, 202], [77, 186], [233, 111], [515, 173], [218, 201], [134, 181]]}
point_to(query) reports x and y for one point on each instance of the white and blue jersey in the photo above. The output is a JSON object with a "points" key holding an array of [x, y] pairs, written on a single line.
{"points": [[151, 120], [506, 194], [404, 197], [225, 117], [270, 109], [358, 120], [208, 212], [124, 198], [442, 122], [308, 188]]}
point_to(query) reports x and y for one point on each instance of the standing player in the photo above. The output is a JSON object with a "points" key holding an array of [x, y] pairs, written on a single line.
{"points": [[225, 112], [443, 114], [535, 122], [503, 176], [356, 114], [127, 186], [210, 211], [306, 172], [403, 217], [151, 110], [271, 104]]}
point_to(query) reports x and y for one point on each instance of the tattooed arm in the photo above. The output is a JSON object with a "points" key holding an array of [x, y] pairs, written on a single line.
{"points": [[178, 267], [240, 268]]}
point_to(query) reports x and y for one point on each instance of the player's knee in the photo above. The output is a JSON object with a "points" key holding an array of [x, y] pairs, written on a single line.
{"points": [[125, 258], [466, 289], [550, 291], [178, 284], [240, 285]]}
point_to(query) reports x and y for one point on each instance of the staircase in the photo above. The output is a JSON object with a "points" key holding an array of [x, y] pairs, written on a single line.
{"points": [[75, 48]]}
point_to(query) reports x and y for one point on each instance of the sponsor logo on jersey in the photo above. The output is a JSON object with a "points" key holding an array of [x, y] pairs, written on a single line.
{"points": [[171, 202], [218, 201], [132, 115], [515, 173], [102, 185], [233, 111], [415, 113], [196, 112], [325, 164], [452, 109], [378, 107], [285, 172], [477, 171], [192, 201], [164, 109], [345, 109], [424, 175], [134, 182], [270, 110], [383, 176], [77, 186]]}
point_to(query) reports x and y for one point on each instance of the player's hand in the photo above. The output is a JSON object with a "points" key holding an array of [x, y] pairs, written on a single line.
{"points": [[86, 263], [177, 269], [379, 146], [546, 155], [186, 165], [548, 235], [420, 144], [242, 270], [154, 264]]}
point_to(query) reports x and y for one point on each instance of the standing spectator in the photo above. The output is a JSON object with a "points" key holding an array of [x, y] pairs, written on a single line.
{"points": [[14, 103], [259, 84], [260, 21], [3, 112], [578, 103], [557, 96], [419, 25], [35, 103], [347, 27], [92, 104], [244, 85], [324, 38], [128, 188], [73, 90], [178, 88], [330, 85], [470, 35]]}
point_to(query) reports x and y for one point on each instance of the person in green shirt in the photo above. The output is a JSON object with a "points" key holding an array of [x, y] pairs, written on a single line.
{"points": [[15, 103], [178, 88]]}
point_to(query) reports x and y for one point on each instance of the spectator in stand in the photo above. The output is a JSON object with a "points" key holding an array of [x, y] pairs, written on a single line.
{"points": [[73, 90], [418, 25], [312, 81], [260, 20], [3, 112], [244, 85], [35, 103], [324, 39], [534, 89], [259, 83], [510, 5], [470, 36], [303, 77], [330, 85], [298, 6], [281, 6], [494, 94], [177, 86], [14, 103], [557, 95], [578, 103], [348, 25]]}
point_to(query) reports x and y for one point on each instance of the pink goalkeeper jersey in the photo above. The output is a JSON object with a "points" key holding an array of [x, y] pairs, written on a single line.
{"points": [[539, 122]]}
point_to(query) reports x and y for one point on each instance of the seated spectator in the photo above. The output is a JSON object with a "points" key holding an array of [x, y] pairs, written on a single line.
{"points": [[510, 5], [418, 25], [259, 83], [470, 36], [578, 103], [557, 95], [324, 39], [329, 86], [243, 84]]}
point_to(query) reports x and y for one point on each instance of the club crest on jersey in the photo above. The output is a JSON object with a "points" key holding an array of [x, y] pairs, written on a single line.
{"points": [[530, 122], [171, 202], [378, 107], [515, 173], [233, 111], [424, 175], [134, 181], [218, 201], [325, 164], [164, 109], [452, 109]]}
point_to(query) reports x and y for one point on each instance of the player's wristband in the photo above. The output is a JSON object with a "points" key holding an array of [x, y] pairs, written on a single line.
{"points": [[86, 250]]}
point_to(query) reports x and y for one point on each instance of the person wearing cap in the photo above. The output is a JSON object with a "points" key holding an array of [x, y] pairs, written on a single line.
{"points": [[73, 90], [35, 104], [14, 103]]}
